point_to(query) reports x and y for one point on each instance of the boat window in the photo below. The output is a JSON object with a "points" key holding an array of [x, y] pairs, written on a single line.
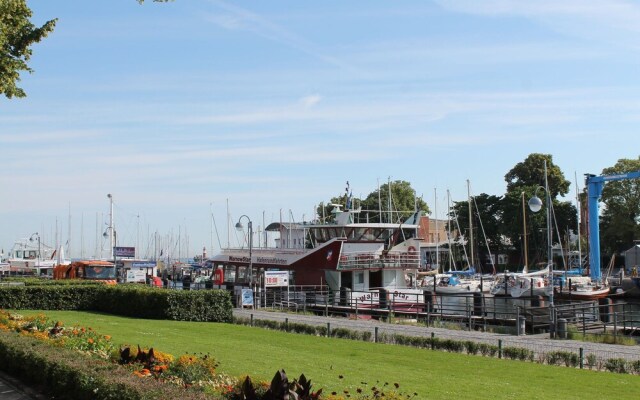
{"points": [[242, 274], [100, 272], [31, 254], [230, 273], [19, 254], [360, 277]]}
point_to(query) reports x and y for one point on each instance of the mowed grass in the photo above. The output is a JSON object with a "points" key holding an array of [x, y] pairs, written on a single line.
{"points": [[260, 353]]}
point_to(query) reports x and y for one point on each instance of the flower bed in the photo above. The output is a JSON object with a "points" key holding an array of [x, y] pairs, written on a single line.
{"points": [[78, 362]]}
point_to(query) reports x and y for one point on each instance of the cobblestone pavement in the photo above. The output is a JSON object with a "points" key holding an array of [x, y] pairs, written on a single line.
{"points": [[540, 344]]}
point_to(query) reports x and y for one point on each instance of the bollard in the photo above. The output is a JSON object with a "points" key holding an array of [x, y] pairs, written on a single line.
{"points": [[286, 324], [522, 325], [375, 335], [606, 310], [251, 319], [499, 348], [433, 340], [562, 328], [328, 329]]}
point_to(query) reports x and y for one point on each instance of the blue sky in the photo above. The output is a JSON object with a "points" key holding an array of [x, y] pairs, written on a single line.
{"points": [[179, 109]]}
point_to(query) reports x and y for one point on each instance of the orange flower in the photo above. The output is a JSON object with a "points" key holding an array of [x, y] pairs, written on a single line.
{"points": [[90, 341], [107, 337]]}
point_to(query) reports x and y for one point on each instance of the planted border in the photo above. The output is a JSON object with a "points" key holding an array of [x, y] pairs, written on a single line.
{"points": [[126, 300]]}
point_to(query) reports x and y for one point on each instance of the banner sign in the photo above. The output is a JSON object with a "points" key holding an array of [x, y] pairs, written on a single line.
{"points": [[145, 264], [124, 251], [276, 278]]}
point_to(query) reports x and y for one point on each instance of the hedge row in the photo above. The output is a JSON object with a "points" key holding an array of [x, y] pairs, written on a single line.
{"points": [[65, 374], [126, 300]]}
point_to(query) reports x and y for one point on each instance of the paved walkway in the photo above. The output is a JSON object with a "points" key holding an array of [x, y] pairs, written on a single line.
{"points": [[13, 389], [540, 344]]}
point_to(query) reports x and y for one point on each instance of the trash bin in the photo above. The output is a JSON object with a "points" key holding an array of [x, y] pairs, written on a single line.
{"points": [[186, 283], [562, 328]]}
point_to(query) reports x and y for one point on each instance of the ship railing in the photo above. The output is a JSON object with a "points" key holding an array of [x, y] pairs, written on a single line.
{"points": [[395, 259]]}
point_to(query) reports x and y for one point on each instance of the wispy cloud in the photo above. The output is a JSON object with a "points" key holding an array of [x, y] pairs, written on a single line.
{"points": [[606, 19], [239, 18]]}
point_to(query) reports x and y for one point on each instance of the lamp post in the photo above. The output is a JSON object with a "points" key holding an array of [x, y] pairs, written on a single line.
{"points": [[249, 241], [114, 237], [31, 240], [535, 205]]}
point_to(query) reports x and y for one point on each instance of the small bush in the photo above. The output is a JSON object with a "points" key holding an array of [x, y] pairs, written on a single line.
{"points": [[618, 365]]}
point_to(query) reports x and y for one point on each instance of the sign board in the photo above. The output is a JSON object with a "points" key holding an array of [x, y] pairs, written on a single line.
{"points": [[124, 251], [137, 275], [276, 278], [247, 297], [143, 264]]}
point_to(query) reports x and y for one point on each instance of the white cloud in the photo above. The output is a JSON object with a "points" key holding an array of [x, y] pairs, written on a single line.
{"points": [[310, 101]]}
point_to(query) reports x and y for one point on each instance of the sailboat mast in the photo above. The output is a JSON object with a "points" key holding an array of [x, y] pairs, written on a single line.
{"points": [[473, 263], [437, 235], [449, 230], [579, 208], [524, 230]]}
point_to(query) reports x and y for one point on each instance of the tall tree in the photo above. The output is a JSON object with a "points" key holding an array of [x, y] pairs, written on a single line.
{"points": [[17, 35], [620, 220], [528, 177], [403, 203], [400, 206], [530, 173], [487, 217]]}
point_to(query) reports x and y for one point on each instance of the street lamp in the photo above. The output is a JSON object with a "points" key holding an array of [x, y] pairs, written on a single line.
{"points": [[115, 237], [250, 240], [31, 240], [535, 205]]}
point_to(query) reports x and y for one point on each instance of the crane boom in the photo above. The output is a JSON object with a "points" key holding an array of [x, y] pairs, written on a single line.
{"points": [[595, 185]]}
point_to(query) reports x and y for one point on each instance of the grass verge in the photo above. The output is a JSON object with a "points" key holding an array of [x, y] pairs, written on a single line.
{"points": [[433, 375]]}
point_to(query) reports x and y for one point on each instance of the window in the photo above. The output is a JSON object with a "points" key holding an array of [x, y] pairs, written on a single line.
{"points": [[360, 277]]}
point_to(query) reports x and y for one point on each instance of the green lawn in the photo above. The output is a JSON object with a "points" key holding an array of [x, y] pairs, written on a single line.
{"points": [[432, 374]]}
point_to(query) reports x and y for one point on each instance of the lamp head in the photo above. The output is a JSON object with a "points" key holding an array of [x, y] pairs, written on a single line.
{"points": [[239, 226], [104, 234], [535, 204]]}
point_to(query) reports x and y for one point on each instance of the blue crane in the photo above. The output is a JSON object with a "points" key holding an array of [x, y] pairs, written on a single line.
{"points": [[594, 192]]}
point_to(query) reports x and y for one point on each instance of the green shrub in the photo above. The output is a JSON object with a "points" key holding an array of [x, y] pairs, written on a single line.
{"points": [[618, 365], [591, 361], [65, 374], [565, 358], [517, 353], [127, 300]]}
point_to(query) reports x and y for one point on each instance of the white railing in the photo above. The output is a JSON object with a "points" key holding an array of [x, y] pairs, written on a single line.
{"points": [[396, 259]]}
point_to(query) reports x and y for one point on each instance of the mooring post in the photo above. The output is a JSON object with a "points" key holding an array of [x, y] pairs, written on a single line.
{"points": [[328, 329], [433, 340], [499, 348], [375, 334], [251, 320]]}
